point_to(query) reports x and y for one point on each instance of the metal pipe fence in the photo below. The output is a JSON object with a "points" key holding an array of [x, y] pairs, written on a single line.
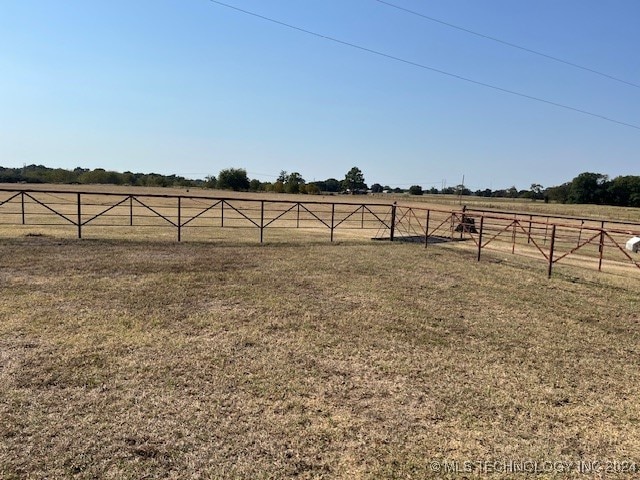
{"points": [[82, 210], [580, 241]]}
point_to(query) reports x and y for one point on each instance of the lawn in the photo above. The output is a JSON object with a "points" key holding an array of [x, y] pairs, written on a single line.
{"points": [[146, 358]]}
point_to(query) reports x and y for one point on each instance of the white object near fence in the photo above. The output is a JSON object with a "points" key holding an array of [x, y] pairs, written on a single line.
{"points": [[633, 244]]}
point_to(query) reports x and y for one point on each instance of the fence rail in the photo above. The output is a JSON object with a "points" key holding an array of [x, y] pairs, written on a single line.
{"points": [[582, 241]]}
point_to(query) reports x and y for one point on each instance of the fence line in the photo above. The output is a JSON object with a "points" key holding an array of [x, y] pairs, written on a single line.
{"points": [[551, 238]]}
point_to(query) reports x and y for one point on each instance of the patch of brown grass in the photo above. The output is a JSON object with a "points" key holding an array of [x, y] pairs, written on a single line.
{"points": [[151, 359]]}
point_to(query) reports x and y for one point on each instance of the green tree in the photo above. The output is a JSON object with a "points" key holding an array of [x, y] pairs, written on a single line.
{"points": [[536, 191], [624, 191], [558, 194], [278, 187], [294, 183], [415, 190], [512, 192], [332, 185], [283, 177], [354, 180], [255, 185], [233, 179], [588, 188], [312, 189], [376, 188]]}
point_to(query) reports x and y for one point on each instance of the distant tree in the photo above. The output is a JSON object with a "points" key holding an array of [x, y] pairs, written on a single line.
{"points": [[376, 188], [483, 193], [398, 190], [415, 190], [294, 183], [283, 177], [588, 188], [536, 191], [128, 178], [332, 185], [210, 181], [625, 191], [558, 194], [312, 189], [233, 179], [354, 180], [101, 176], [278, 187], [255, 185], [512, 192], [462, 190]]}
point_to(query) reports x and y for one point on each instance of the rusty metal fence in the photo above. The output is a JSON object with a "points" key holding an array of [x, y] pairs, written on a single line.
{"points": [[579, 241], [82, 210]]}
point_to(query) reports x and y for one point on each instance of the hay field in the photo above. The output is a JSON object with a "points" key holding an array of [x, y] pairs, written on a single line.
{"points": [[145, 358]]}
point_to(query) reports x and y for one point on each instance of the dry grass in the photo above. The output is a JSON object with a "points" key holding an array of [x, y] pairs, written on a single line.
{"points": [[605, 212], [151, 359]]}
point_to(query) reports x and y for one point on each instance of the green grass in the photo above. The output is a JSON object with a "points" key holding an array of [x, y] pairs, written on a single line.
{"points": [[151, 359]]}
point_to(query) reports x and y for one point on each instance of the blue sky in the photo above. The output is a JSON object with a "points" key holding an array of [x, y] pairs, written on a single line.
{"points": [[190, 87]]}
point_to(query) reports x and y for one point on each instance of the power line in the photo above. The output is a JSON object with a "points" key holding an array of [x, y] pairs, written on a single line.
{"points": [[425, 67], [509, 44]]}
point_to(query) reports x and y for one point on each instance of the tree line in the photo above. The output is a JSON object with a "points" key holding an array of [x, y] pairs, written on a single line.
{"points": [[42, 174], [587, 187]]}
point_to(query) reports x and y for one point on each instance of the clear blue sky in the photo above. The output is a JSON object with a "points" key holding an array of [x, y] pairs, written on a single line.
{"points": [[190, 87]]}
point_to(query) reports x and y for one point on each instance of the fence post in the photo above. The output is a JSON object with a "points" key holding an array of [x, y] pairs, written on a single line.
{"points": [[529, 231], [131, 210], [222, 213], [513, 235], [393, 222], [298, 217], [179, 219], [601, 247], [480, 237], [333, 215], [23, 214], [262, 220], [79, 217], [362, 219], [553, 241], [426, 230]]}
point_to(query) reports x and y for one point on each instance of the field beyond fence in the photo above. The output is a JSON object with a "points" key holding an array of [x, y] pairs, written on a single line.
{"points": [[587, 242]]}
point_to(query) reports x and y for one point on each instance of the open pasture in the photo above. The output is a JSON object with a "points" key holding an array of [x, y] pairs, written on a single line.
{"points": [[146, 358]]}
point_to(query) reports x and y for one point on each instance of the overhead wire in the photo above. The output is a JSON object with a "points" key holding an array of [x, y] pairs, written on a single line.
{"points": [[425, 67], [509, 44]]}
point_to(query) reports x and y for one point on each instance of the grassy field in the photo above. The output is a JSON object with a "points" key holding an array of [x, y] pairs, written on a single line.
{"points": [[145, 358]]}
